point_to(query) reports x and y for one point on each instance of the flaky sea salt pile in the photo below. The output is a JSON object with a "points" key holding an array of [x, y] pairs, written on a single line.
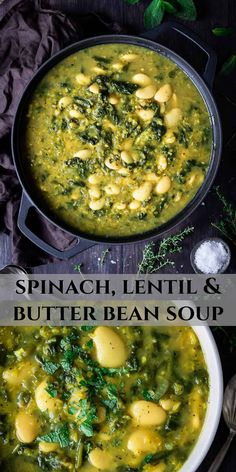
{"points": [[211, 257]]}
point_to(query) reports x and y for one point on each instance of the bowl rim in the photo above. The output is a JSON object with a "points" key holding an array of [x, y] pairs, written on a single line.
{"points": [[215, 400]]}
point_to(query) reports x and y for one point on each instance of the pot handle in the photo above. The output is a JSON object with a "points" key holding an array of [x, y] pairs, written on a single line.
{"points": [[210, 68], [80, 245]]}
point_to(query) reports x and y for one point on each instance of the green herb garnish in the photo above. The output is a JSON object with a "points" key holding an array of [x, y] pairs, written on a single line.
{"points": [[153, 261], [77, 268], [222, 31], [227, 224], [50, 367], [61, 436], [154, 13], [104, 255], [229, 65]]}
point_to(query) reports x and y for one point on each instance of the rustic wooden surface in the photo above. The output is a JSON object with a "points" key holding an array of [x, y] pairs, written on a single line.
{"points": [[124, 259]]}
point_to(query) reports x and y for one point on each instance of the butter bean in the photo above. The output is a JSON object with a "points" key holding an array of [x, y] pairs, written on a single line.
{"points": [[117, 66], [99, 70], [129, 57], [27, 427], [164, 94], [100, 459], [162, 163], [143, 192], [95, 192], [112, 189], [147, 413], [94, 88], [134, 205], [127, 144], [113, 99], [141, 79], [96, 205], [151, 177], [163, 185], [169, 138], [173, 117], [94, 179], [110, 348], [82, 79], [143, 441], [123, 171], [64, 102], [44, 401], [83, 154], [119, 206], [126, 157], [15, 376], [75, 114], [145, 115], [47, 447], [113, 165], [146, 93]]}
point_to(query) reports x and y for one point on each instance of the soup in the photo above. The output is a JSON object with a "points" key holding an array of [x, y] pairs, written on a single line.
{"points": [[118, 140], [85, 399]]}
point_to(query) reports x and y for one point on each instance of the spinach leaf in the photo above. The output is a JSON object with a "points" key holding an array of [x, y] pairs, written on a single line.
{"points": [[153, 14], [60, 435], [222, 31], [186, 10], [158, 128], [126, 88]]}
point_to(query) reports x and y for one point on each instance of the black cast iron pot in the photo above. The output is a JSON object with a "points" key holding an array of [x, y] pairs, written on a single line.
{"points": [[203, 84]]}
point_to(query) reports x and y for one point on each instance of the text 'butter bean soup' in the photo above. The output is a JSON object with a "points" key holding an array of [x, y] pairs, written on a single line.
{"points": [[118, 140], [85, 399]]}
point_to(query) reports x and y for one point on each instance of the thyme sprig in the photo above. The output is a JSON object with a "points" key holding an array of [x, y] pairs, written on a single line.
{"points": [[104, 255], [227, 224], [154, 261]]}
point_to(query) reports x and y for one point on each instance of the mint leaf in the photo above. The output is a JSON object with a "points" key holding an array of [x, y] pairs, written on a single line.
{"points": [[50, 367], [61, 436], [222, 31], [86, 428], [169, 8], [153, 14], [132, 2], [186, 10], [87, 328], [229, 65]]}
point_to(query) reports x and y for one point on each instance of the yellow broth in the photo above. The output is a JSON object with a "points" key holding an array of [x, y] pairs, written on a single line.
{"points": [[118, 140], [85, 399]]}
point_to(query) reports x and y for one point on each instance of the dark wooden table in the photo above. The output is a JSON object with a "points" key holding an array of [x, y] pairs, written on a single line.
{"points": [[125, 259]]}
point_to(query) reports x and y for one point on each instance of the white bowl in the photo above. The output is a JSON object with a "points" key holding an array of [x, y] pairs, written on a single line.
{"points": [[214, 409]]}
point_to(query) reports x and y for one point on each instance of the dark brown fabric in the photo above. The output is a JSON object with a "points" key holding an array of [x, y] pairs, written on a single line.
{"points": [[28, 36]]}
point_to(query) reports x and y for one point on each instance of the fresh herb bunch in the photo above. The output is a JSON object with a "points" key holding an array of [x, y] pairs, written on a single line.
{"points": [[227, 224], [227, 336], [222, 31], [229, 65], [154, 13], [154, 261]]}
